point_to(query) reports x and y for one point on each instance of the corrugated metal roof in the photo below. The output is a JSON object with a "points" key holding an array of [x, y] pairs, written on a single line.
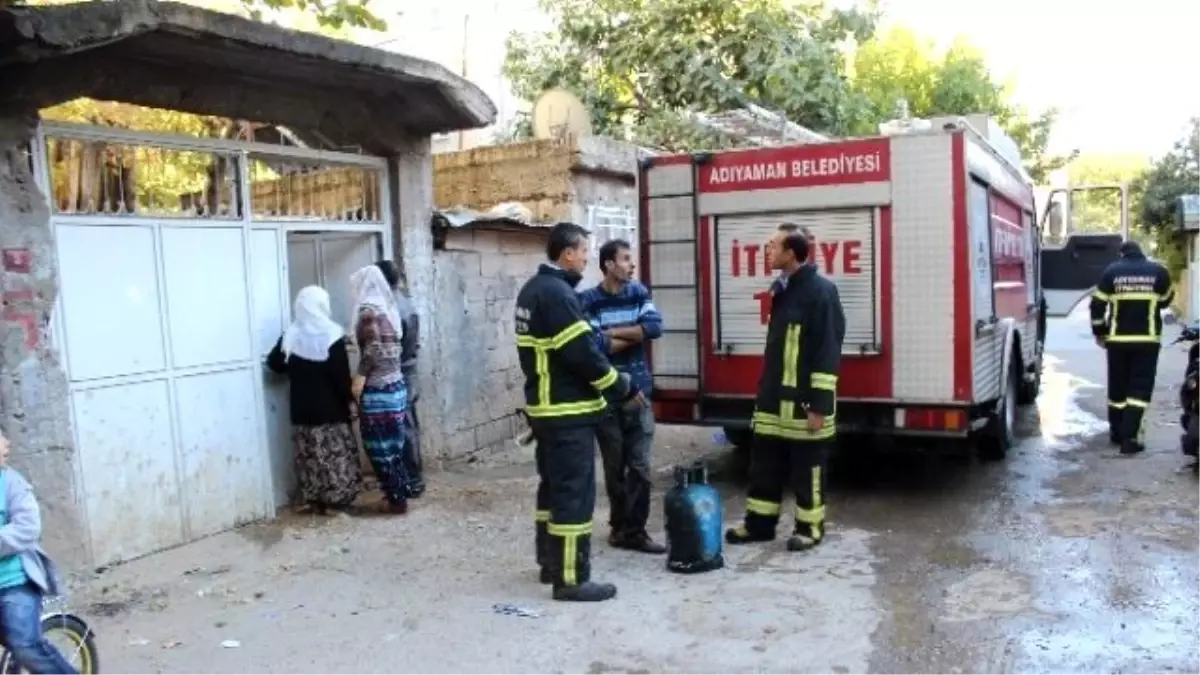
{"points": [[756, 125]]}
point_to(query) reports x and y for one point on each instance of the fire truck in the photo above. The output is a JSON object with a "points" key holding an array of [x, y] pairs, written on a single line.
{"points": [[929, 231]]}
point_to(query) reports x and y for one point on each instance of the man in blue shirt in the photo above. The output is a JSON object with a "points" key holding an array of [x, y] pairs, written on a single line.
{"points": [[623, 319]]}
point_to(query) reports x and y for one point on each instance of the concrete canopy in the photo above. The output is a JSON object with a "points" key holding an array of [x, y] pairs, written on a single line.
{"points": [[175, 56]]}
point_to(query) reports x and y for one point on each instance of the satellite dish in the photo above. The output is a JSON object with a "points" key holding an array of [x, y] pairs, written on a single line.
{"points": [[558, 113]]}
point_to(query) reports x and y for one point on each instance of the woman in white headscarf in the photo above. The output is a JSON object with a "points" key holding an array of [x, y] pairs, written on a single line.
{"points": [[312, 353], [383, 403]]}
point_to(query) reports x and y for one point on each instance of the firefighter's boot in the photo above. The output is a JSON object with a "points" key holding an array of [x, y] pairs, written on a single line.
{"points": [[806, 536], [1115, 418], [542, 547], [570, 558], [755, 528], [1131, 447]]}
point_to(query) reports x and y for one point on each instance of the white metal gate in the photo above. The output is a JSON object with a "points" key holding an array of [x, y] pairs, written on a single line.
{"points": [[606, 223], [174, 286]]}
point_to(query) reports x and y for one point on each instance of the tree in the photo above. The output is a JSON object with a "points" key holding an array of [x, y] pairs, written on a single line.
{"points": [[1100, 210], [1174, 175], [321, 16], [899, 65], [118, 178], [331, 14], [640, 65]]}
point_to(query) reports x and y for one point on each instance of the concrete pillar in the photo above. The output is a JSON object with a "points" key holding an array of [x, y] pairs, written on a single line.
{"points": [[410, 175], [34, 410]]}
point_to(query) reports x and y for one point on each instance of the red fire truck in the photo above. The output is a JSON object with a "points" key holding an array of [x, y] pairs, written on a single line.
{"points": [[931, 237]]}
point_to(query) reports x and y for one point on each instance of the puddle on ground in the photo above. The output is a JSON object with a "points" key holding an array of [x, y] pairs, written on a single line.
{"points": [[987, 594], [1063, 421]]}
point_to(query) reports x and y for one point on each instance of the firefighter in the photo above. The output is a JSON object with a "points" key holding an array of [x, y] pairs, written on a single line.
{"points": [[794, 422], [1127, 324], [568, 386]]}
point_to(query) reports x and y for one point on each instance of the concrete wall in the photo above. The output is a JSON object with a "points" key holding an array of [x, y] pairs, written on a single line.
{"points": [[479, 379], [471, 347], [555, 180], [34, 410]]}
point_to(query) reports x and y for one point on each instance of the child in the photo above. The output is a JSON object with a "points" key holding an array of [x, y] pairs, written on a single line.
{"points": [[26, 575]]}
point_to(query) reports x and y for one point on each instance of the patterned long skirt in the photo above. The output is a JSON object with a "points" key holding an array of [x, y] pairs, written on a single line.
{"points": [[383, 422], [327, 464]]}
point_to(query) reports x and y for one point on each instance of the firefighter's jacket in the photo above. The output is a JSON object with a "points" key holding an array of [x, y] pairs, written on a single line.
{"points": [[567, 379], [801, 359], [1127, 302]]}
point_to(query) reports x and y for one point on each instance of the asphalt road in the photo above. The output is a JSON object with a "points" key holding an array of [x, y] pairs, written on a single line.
{"points": [[1064, 558]]}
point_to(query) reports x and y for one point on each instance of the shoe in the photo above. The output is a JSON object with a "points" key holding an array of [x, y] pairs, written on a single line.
{"points": [[398, 508], [1130, 448], [640, 542], [741, 535], [801, 542], [545, 576], [1113, 440], [616, 539], [588, 591]]}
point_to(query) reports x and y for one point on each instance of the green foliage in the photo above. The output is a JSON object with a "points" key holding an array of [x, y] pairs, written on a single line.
{"points": [[1174, 175], [330, 14], [1100, 211], [639, 64], [900, 65]]}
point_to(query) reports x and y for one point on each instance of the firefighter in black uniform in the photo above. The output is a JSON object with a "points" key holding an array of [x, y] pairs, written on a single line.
{"points": [[794, 421], [1127, 323], [568, 386]]}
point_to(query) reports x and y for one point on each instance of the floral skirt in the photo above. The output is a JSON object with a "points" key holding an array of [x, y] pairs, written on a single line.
{"points": [[327, 465]]}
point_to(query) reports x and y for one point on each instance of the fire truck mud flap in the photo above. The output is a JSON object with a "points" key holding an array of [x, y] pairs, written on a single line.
{"points": [[999, 431]]}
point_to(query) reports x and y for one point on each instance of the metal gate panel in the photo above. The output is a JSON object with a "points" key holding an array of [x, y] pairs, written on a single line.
{"points": [[172, 433]]}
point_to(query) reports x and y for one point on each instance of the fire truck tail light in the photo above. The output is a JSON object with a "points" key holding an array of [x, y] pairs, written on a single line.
{"points": [[931, 419]]}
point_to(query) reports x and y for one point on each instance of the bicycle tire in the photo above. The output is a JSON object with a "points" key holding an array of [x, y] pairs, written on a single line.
{"points": [[76, 630]]}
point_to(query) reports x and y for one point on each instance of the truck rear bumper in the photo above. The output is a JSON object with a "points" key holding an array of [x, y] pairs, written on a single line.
{"points": [[879, 418]]}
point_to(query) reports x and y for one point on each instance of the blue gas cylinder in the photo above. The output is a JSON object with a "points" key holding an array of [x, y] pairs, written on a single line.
{"points": [[692, 510]]}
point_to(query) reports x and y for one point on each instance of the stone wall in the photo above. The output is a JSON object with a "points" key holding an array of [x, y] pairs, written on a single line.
{"points": [[478, 377], [34, 409]]}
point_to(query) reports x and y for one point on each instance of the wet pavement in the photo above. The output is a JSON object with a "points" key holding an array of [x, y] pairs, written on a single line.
{"points": [[1064, 558]]}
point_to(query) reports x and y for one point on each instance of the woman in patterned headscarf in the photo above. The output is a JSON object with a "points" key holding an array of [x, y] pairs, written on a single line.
{"points": [[384, 397]]}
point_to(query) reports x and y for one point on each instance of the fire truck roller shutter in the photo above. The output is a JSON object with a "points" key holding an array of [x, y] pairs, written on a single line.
{"points": [[844, 251]]}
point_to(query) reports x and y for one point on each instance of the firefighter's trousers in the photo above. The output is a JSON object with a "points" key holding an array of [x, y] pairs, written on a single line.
{"points": [[566, 498], [1131, 371], [776, 463]]}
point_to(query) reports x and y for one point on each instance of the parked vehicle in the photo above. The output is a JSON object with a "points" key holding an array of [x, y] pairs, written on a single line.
{"points": [[929, 231], [1189, 394]]}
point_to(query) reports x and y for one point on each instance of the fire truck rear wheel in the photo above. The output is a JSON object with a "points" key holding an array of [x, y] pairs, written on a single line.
{"points": [[1029, 390], [999, 434]]}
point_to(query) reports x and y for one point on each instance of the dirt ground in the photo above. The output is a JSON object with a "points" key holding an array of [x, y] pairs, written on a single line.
{"points": [[1064, 558]]}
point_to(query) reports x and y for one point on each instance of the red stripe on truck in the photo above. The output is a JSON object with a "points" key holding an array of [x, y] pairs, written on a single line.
{"points": [[963, 330]]}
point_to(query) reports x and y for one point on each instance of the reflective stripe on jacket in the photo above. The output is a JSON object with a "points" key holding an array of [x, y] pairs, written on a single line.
{"points": [[566, 376], [801, 359], [1129, 298]]}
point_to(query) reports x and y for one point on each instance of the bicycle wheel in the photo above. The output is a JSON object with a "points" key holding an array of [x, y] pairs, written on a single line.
{"points": [[71, 636]]}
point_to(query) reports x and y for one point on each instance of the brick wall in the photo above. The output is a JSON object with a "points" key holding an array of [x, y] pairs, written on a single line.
{"points": [[478, 378]]}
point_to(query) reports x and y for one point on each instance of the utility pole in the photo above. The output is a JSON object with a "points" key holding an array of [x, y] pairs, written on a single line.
{"points": [[466, 27]]}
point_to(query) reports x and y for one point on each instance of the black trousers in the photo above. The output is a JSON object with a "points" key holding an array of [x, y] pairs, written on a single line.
{"points": [[776, 463], [1131, 372], [412, 453], [626, 437], [566, 499]]}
